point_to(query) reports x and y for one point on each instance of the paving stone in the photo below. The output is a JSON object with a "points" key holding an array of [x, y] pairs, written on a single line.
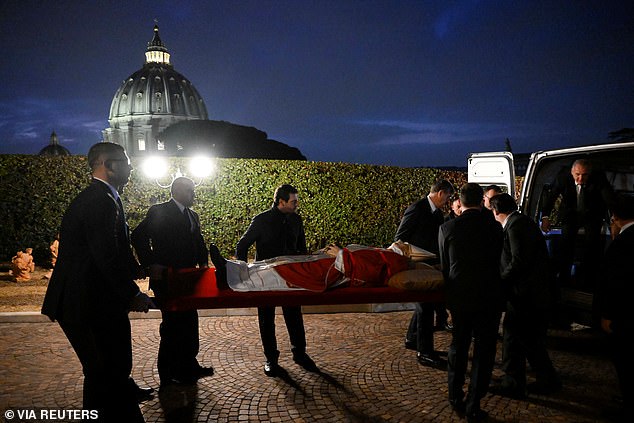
{"points": [[366, 374]]}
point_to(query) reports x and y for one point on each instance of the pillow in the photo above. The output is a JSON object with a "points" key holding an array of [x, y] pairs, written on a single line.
{"points": [[411, 251], [425, 279]]}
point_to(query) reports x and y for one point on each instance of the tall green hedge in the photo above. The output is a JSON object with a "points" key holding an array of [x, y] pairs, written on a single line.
{"points": [[339, 202]]}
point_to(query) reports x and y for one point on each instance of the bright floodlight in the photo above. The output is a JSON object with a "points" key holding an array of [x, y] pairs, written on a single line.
{"points": [[201, 167], [155, 167]]}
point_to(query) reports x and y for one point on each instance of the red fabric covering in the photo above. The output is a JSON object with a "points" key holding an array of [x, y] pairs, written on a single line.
{"points": [[196, 289], [372, 267], [315, 275]]}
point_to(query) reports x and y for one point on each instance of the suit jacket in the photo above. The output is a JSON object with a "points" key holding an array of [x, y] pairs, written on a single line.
{"points": [[166, 237], [598, 194], [524, 263], [419, 226], [617, 286], [274, 234], [95, 266], [470, 249]]}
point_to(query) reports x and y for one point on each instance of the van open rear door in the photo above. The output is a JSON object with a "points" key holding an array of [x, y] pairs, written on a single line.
{"points": [[492, 168]]}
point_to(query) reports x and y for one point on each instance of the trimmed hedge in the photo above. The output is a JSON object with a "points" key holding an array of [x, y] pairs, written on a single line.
{"points": [[339, 202]]}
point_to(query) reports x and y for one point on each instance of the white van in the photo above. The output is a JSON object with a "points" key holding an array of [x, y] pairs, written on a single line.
{"points": [[616, 160]]}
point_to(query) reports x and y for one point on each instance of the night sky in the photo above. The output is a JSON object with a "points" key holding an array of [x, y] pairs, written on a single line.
{"points": [[406, 83]]}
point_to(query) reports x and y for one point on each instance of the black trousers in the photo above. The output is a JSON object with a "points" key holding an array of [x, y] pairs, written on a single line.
{"points": [[591, 253], [482, 326], [179, 345], [294, 324], [180, 342], [622, 353], [525, 331], [103, 345], [421, 325]]}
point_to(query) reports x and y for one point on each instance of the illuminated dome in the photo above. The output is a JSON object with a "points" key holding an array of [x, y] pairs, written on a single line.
{"points": [[150, 100]]}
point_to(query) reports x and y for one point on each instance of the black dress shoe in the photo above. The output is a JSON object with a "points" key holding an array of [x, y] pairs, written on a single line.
{"points": [[143, 394], [544, 388], [507, 391], [305, 361], [201, 372], [271, 369], [477, 416], [458, 406], [431, 360], [410, 345]]}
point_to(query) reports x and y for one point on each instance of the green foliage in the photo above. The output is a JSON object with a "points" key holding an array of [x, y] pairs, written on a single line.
{"points": [[34, 193], [339, 202]]}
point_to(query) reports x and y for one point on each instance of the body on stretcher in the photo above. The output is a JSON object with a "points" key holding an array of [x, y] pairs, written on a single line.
{"points": [[191, 289]]}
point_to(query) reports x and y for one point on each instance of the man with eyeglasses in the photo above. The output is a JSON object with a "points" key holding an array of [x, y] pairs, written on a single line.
{"points": [[92, 288]]}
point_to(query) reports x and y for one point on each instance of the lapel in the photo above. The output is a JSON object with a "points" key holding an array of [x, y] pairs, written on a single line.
{"points": [[122, 230]]}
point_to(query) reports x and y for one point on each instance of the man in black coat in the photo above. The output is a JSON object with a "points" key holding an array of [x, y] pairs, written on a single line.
{"points": [[615, 299], [170, 237], [525, 280], [92, 288], [585, 194], [470, 248], [419, 226], [278, 231]]}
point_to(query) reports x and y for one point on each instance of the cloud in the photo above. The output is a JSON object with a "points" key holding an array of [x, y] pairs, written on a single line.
{"points": [[454, 17], [31, 120], [440, 133]]}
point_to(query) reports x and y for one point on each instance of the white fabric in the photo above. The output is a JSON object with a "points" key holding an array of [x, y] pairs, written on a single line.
{"points": [[261, 275]]}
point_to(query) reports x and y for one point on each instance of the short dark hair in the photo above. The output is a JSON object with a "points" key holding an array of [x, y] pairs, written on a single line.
{"points": [[442, 185], [623, 207], [102, 149], [471, 195], [503, 203], [283, 192], [493, 187]]}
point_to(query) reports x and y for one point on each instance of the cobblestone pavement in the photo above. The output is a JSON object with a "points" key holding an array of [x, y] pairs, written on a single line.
{"points": [[366, 375]]}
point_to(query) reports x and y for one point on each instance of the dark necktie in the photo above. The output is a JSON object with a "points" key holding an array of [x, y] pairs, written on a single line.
{"points": [[581, 194], [187, 218], [122, 217], [438, 215]]}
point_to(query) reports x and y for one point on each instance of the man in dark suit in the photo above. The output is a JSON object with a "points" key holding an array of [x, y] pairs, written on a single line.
{"points": [[170, 237], [585, 194], [525, 280], [278, 231], [490, 191], [92, 288], [470, 248], [419, 226], [615, 300]]}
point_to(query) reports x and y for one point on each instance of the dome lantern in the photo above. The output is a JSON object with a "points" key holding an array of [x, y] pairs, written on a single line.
{"points": [[156, 50]]}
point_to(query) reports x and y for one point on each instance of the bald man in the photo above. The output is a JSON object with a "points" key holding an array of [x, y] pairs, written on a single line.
{"points": [[170, 237]]}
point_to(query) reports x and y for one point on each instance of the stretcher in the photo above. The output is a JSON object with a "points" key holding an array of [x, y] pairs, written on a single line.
{"points": [[196, 289]]}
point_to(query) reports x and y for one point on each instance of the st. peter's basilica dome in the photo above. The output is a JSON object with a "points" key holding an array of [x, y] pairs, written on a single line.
{"points": [[150, 100]]}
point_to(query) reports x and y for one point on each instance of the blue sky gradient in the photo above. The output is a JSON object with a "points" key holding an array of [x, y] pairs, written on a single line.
{"points": [[406, 83]]}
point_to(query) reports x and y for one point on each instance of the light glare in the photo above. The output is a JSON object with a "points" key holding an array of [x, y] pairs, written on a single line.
{"points": [[201, 167], [155, 167]]}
